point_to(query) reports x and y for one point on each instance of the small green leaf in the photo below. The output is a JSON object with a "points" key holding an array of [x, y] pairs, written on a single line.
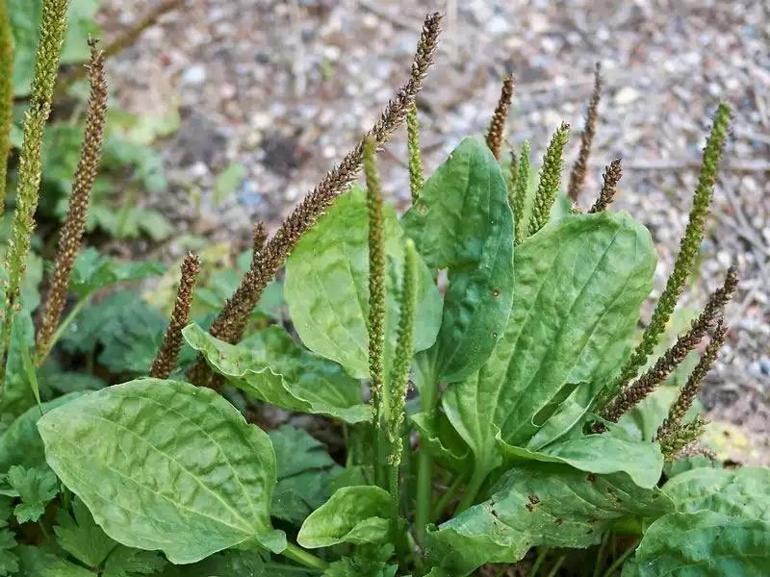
{"points": [[126, 562], [94, 271], [702, 544], [326, 286], [539, 504], [305, 474], [36, 487], [353, 515], [40, 563], [165, 465], [742, 493], [80, 536], [369, 561], [462, 222], [17, 392], [9, 561], [270, 366], [124, 330], [603, 454]]}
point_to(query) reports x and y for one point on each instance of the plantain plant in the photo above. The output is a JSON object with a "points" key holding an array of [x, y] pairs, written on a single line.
{"points": [[477, 354]]}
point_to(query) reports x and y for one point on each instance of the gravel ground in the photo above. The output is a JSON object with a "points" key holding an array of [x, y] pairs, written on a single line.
{"points": [[286, 88]]}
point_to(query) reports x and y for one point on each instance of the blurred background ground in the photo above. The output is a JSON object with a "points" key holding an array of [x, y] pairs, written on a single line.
{"points": [[271, 94]]}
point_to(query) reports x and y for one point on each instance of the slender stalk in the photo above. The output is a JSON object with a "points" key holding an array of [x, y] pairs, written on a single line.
{"points": [[600, 555], [629, 397], [230, 323], [68, 320], [471, 491], [6, 96], [688, 249], [618, 563], [398, 389], [52, 27], [578, 174], [557, 566], [376, 320], [428, 387], [447, 496], [542, 555], [71, 236], [304, 558]]}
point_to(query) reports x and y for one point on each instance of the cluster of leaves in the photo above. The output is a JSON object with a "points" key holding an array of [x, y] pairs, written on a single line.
{"points": [[525, 436]]}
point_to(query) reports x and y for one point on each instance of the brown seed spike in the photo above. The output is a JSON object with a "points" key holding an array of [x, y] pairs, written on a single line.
{"points": [[231, 322], [75, 222], [690, 390], [612, 174], [496, 132], [168, 354], [259, 240], [578, 175], [659, 372]]}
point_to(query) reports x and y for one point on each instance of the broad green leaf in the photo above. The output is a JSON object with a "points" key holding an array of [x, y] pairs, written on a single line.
{"points": [[462, 222], [270, 366], [17, 394], [355, 515], [35, 487], [40, 563], [604, 454], [327, 286], [94, 271], [539, 504], [703, 544], [743, 493], [305, 474], [579, 286], [20, 444], [166, 465]]}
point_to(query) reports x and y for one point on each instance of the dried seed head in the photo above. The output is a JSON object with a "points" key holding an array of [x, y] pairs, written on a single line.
{"points": [[659, 372], [71, 234], [230, 323], [688, 249], [612, 174], [690, 390], [168, 355], [496, 131], [578, 174]]}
